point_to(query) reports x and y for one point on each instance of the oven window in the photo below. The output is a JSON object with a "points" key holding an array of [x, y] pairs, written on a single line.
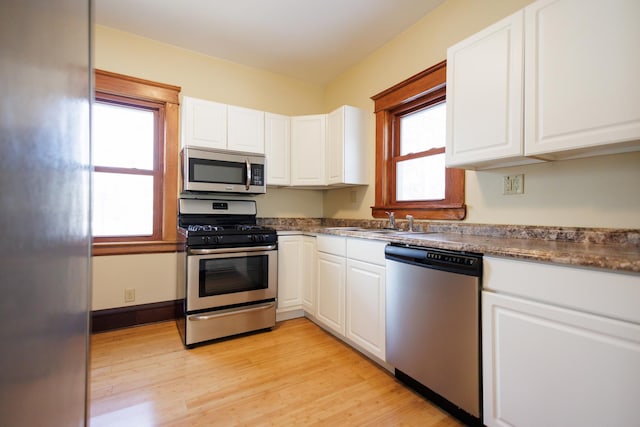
{"points": [[228, 275]]}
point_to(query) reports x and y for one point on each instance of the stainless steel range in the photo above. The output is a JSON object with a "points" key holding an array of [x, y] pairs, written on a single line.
{"points": [[227, 270]]}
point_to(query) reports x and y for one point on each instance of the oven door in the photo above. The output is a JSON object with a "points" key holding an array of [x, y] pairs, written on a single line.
{"points": [[222, 277]]}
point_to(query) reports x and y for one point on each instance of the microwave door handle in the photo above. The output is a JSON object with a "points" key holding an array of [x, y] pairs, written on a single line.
{"points": [[247, 183]]}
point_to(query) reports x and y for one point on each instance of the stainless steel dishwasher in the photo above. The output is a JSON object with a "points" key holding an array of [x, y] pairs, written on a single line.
{"points": [[433, 325]]}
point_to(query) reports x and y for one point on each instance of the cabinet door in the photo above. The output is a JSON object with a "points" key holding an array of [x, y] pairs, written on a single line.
{"points": [[309, 274], [335, 146], [289, 272], [278, 149], [347, 146], [484, 96], [331, 289], [365, 306], [308, 150], [549, 366], [581, 76], [204, 123], [245, 130]]}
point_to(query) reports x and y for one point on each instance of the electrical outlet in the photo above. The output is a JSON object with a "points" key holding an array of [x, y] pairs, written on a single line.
{"points": [[513, 184], [129, 295]]}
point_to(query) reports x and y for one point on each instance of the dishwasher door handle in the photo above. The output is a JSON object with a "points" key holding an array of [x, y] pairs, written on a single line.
{"points": [[406, 254]]}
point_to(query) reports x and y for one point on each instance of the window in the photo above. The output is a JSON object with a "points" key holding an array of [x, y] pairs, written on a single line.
{"points": [[134, 149], [411, 177]]}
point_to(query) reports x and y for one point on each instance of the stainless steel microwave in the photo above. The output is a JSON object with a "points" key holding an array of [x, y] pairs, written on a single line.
{"points": [[218, 171]]}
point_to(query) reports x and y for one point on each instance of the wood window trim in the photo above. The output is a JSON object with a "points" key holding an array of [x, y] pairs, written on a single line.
{"points": [[426, 87], [122, 86]]}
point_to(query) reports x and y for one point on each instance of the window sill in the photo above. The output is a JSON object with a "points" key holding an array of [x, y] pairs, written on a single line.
{"points": [[439, 213], [129, 248]]}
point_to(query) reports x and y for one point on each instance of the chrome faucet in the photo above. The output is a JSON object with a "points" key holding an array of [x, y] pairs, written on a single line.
{"points": [[392, 219], [410, 219]]}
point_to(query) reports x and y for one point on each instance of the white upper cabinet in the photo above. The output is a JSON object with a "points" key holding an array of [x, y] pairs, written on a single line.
{"points": [[210, 124], [346, 161], [245, 129], [582, 85], [555, 80], [204, 123], [278, 149], [484, 97], [308, 141]]}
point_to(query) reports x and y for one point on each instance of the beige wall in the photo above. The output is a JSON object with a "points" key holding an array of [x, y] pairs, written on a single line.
{"points": [[595, 192], [210, 78], [153, 275]]}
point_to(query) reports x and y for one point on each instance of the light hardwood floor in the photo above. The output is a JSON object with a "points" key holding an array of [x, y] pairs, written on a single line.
{"points": [[295, 375]]}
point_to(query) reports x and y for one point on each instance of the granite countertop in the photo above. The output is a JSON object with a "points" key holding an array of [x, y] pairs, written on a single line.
{"points": [[612, 249]]}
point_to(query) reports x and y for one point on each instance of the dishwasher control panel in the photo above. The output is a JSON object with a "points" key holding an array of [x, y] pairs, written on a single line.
{"points": [[452, 259], [440, 259]]}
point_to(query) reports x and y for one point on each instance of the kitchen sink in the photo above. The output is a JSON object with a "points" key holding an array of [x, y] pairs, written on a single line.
{"points": [[344, 229], [380, 230]]}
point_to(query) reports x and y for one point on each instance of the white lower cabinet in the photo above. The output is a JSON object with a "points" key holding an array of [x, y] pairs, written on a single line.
{"points": [[331, 285], [351, 291], [558, 346], [365, 308], [308, 267], [289, 272], [296, 276]]}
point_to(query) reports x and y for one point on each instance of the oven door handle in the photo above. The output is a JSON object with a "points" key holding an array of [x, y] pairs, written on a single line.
{"points": [[230, 250], [232, 312]]}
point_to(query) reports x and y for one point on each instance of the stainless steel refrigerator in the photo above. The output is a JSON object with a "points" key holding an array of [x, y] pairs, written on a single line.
{"points": [[45, 94]]}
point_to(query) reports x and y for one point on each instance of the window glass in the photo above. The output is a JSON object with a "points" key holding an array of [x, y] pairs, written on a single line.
{"points": [[421, 179], [423, 130], [122, 136], [122, 204]]}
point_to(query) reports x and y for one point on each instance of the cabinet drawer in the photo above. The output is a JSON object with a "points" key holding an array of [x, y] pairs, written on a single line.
{"points": [[335, 245], [608, 293], [371, 251]]}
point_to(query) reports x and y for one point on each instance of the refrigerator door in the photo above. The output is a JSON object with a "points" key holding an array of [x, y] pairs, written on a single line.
{"points": [[45, 94]]}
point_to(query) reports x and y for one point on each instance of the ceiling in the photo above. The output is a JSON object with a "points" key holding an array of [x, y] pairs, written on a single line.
{"points": [[310, 40]]}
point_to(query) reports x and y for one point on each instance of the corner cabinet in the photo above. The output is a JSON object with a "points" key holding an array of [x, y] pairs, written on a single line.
{"points": [[289, 272], [278, 149], [296, 276], [545, 64], [330, 150], [308, 142], [561, 345]]}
